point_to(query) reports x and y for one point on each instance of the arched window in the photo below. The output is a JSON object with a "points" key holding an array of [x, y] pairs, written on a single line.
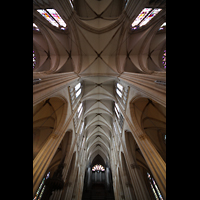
{"points": [[34, 60], [53, 18], [144, 17], [41, 188], [163, 26], [98, 168], [71, 3], [164, 59], [154, 187], [35, 27]]}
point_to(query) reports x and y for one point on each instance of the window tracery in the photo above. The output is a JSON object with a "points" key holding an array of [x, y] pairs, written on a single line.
{"points": [[98, 168], [41, 188], [154, 187], [71, 3], [52, 16], [162, 26], [144, 17], [119, 115], [122, 93], [164, 59], [34, 59], [35, 27], [75, 92]]}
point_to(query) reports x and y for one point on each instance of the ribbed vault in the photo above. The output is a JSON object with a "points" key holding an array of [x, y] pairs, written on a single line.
{"points": [[98, 45], [98, 99]]}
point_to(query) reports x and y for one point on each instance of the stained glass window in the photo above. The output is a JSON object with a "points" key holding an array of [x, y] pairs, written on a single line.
{"points": [[144, 17], [164, 59], [162, 26], [71, 2], [41, 188], [48, 17], [34, 60], [52, 16], [152, 14], [154, 187], [57, 17], [35, 27], [98, 168], [141, 16]]}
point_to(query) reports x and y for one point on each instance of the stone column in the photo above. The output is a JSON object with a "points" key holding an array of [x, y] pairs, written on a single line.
{"points": [[46, 154], [137, 181], [154, 161], [69, 190], [43, 159], [88, 177], [107, 173]]}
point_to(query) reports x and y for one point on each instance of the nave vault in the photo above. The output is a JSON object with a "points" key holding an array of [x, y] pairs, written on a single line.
{"points": [[99, 99]]}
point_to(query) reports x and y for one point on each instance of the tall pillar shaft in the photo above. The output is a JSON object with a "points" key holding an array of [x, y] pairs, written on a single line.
{"points": [[46, 154], [88, 176], [154, 161]]}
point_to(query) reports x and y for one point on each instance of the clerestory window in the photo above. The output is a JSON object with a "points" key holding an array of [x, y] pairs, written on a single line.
{"points": [[164, 59], [34, 59], [35, 27], [122, 93], [145, 16], [71, 3], [52, 16], [163, 26]]}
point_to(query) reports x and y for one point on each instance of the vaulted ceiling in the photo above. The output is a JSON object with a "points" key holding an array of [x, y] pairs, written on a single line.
{"points": [[98, 45]]}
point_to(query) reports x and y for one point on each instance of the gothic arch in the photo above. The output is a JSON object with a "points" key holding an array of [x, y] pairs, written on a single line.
{"points": [[48, 117], [151, 117]]}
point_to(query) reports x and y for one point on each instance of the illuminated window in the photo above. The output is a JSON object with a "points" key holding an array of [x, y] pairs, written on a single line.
{"points": [[78, 89], [154, 187], [164, 59], [119, 93], [120, 87], [34, 60], [141, 16], [122, 94], [144, 17], [35, 27], [53, 18], [78, 93], [80, 108], [116, 108], [77, 86], [41, 188], [162, 26], [71, 3], [74, 93], [150, 16], [57, 17], [98, 168]]}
